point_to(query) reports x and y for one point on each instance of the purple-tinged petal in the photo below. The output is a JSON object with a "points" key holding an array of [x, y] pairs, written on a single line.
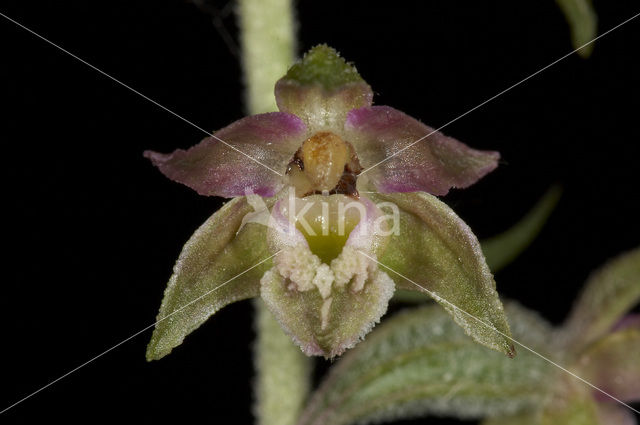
{"points": [[267, 142], [433, 165], [613, 364]]}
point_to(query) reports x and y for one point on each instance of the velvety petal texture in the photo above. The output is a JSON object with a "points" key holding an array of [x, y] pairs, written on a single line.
{"points": [[267, 142], [434, 165], [200, 283], [439, 252], [323, 328]]}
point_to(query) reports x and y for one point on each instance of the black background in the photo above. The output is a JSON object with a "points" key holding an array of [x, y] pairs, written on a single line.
{"points": [[91, 230]]}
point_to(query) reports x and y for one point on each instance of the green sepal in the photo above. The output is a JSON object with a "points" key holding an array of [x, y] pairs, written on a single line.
{"points": [[321, 89], [502, 249], [201, 285], [323, 65], [435, 252]]}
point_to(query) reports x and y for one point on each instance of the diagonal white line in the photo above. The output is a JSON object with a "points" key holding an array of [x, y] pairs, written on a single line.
{"points": [[134, 335], [501, 93], [138, 93], [488, 325]]}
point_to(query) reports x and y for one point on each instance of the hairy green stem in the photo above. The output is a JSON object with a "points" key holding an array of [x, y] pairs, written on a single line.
{"points": [[283, 372], [267, 37]]}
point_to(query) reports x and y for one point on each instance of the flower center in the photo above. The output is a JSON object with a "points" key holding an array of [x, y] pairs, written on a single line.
{"points": [[327, 222], [324, 163]]}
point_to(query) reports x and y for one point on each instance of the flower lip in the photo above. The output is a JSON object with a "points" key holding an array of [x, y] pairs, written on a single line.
{"points": [[323, 224], [327, 224]]}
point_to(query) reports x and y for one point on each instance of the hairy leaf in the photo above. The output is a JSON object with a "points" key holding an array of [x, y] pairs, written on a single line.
{"points": [[574, 410], [200, 283], [419, 362], [435, 252], [531, 418], [609, 293]]}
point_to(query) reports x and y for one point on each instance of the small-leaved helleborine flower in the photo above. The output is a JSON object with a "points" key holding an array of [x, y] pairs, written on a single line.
{"points": [[329, 225]]}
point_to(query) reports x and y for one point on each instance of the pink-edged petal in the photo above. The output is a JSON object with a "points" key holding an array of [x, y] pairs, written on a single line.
{"points": [[434, 165], [264, 144]]}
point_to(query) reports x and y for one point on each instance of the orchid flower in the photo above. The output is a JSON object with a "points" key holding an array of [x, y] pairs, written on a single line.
{"points": [[306, 229]]}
